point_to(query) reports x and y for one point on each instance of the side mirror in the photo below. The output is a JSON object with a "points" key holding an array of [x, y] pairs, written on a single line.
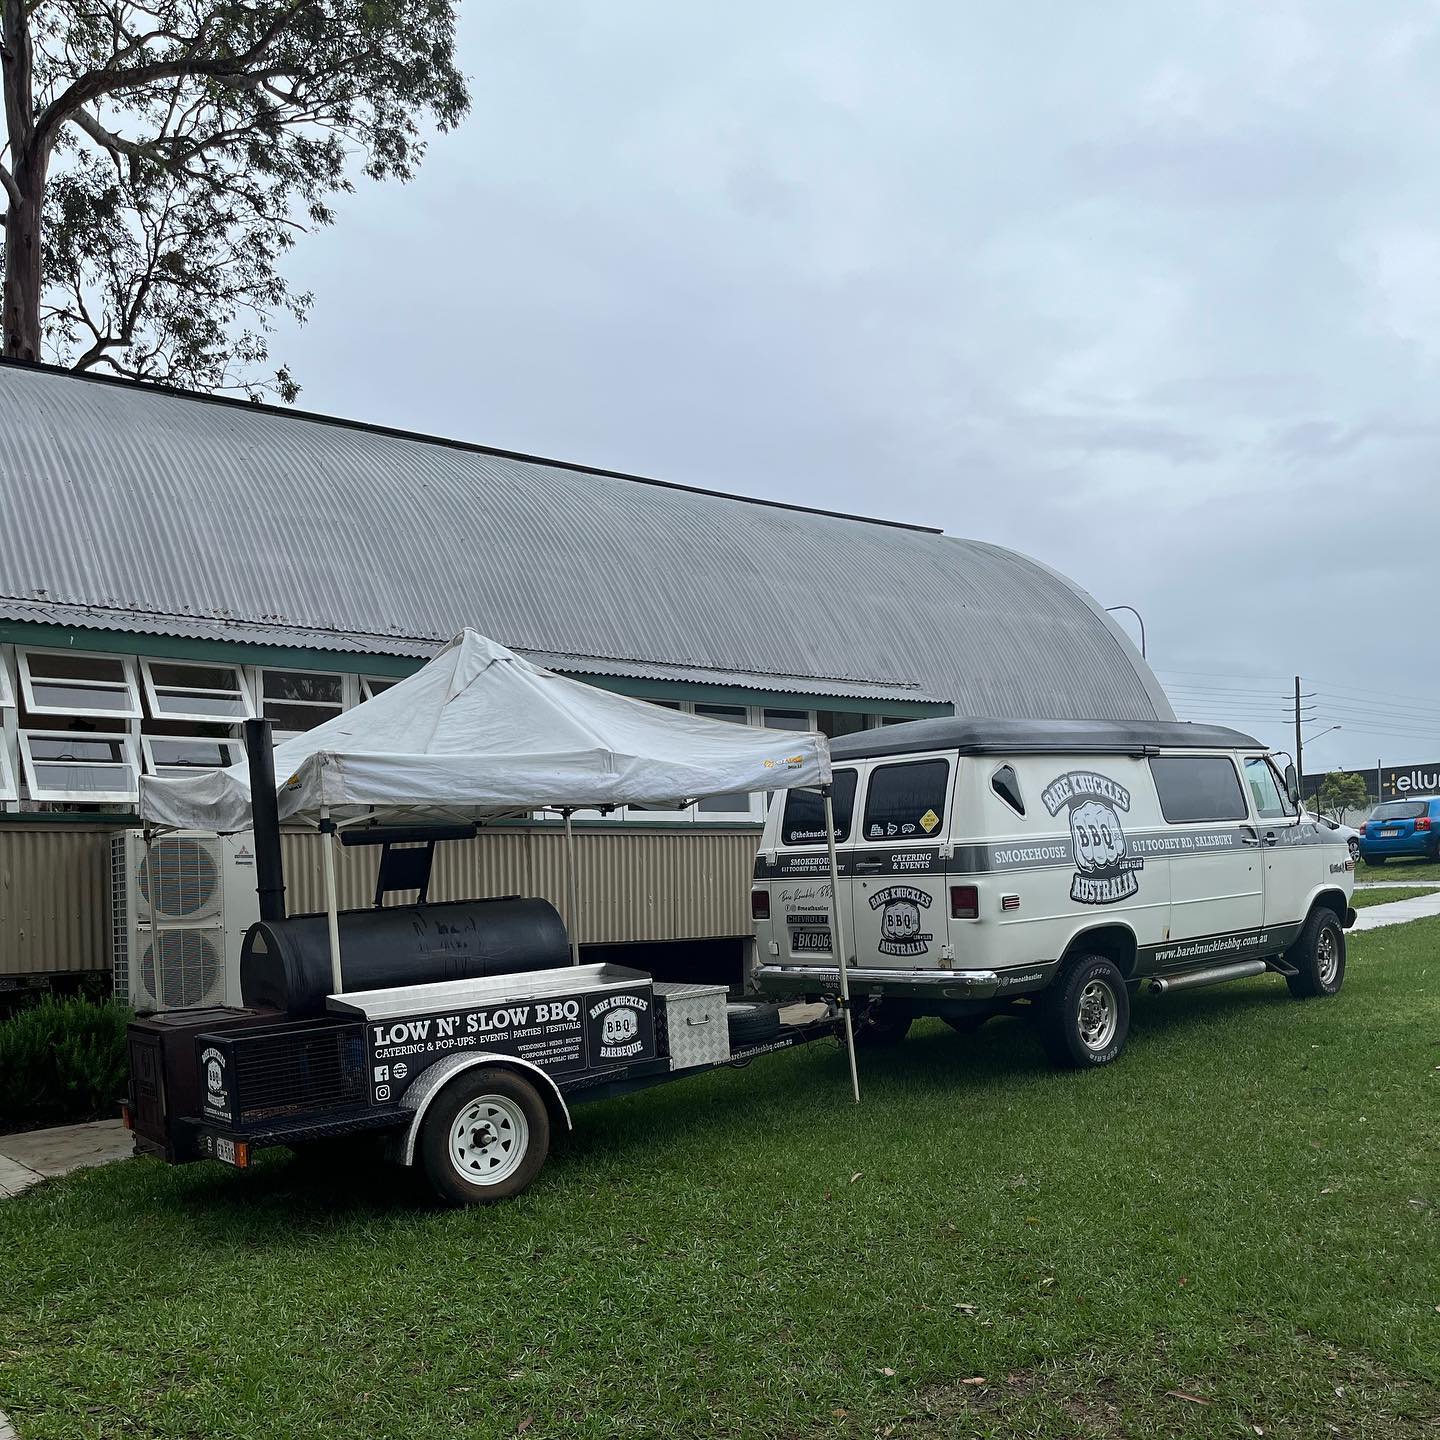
{"points": [[1292, 785]]}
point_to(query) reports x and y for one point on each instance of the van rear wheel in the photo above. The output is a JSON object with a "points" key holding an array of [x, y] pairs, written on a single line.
{"points": [[1085, 1013]]}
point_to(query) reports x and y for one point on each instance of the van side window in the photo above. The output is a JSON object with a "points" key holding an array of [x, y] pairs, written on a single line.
{"points": [[1198, 787], [1271, 802], [1006, 784], [804, 822], [906, 802]]}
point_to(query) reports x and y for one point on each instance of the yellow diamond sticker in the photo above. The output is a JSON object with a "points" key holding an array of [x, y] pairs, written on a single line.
{"points": [[928, 821]]}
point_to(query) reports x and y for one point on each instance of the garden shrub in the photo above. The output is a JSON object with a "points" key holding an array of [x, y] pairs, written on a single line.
{"points": [[61, 1060]]}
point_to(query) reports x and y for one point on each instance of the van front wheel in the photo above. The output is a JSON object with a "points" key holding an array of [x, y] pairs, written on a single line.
{"points": [[1085, 1013], [1318, 957]]}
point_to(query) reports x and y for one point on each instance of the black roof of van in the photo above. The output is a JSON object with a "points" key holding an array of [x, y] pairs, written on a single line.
{"points": [[1038, 737]]}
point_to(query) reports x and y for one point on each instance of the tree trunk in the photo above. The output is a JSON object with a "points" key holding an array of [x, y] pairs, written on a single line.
{"points": [[21, 316]]}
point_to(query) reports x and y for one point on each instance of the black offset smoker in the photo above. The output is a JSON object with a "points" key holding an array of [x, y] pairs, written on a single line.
{"points": [[463, 1032]]}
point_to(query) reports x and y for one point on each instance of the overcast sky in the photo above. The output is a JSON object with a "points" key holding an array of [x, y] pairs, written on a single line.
{"points": [[1150, 292]]}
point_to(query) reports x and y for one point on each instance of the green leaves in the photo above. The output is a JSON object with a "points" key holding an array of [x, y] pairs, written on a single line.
{"points": [[189, 144]]}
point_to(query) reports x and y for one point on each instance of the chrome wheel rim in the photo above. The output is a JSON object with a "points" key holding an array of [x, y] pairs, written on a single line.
{"points": [[1327, 956], [1098, 1015], [488, 1140]]}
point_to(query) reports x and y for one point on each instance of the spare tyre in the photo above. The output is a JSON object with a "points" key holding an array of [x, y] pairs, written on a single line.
{"points": [[750, 1023]]}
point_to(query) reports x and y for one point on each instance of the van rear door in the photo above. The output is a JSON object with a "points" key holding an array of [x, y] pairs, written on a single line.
{"points": [[899, 900], [799, 877]]}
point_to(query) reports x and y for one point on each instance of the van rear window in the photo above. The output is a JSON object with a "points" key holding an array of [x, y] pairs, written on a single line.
{"points": [[906, 802], [1198, 787], [1400, 810], [804, 822]]}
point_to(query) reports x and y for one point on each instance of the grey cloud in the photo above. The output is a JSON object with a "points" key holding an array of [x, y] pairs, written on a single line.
{"points": [[1143, 291]]}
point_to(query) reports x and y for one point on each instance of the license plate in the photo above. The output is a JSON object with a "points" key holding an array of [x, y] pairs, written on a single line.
{"points": [[225, 1150], [809, 941], [1388, 834]]}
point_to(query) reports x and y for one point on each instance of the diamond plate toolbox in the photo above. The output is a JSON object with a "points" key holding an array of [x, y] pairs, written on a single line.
{"points": [[690, 1024]]}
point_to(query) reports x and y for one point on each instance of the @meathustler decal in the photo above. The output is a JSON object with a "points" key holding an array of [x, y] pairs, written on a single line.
{"points": [[900, 920], [1104, 870]]}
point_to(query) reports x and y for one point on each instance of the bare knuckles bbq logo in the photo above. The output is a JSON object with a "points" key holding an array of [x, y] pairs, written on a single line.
{"points": [[1104, 870], [620, 1034], [900, 919]]}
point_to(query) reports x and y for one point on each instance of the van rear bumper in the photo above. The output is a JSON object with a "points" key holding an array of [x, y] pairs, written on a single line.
{"points": [[931, 984]]}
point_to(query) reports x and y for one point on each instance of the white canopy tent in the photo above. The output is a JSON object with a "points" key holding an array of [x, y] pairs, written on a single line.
{"points": [[480, 733]]}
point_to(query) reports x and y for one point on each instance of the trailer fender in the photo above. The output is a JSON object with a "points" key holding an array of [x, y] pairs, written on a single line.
{"points": [[428, 1085]]}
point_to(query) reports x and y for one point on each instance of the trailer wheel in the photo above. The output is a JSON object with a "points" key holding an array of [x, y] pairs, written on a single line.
{"points": [[750, 1024], [1318, 957], [484, 1137], [1084, 1014]]}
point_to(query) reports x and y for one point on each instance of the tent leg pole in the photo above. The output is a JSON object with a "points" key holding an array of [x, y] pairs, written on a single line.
{"points": [[573, 890], [332, 907], [837, 943]]}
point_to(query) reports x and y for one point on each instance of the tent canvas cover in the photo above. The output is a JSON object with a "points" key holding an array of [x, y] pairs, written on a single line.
{"points": [[480, 732]]}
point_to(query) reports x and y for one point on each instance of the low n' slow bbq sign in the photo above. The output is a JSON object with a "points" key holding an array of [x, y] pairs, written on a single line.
{"points": [[560, 1033]]}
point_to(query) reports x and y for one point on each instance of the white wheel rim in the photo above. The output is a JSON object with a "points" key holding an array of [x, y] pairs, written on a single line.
{"points": [[488, 1140], [1098, 1015], [1328, 954]]}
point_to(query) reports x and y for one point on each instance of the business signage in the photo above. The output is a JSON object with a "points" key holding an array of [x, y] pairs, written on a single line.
{"points": [[1398, 781]]}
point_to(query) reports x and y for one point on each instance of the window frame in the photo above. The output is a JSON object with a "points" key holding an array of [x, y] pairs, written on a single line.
{"points": [[128, 765], [157, 710], [328, 709], [935, 836], [9, 780], [389, 681], [1011, 805], [154, 768], [7, 689], [127, 685], [1287, 811], [1240, 781]]}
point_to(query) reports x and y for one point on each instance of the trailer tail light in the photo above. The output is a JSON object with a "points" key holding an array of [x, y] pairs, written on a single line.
{"points": [[964, 902], [1423, 823], [759, 904]]}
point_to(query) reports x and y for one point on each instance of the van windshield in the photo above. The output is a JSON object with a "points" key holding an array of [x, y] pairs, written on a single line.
{"points": [[1400, 810], [804, 822]]}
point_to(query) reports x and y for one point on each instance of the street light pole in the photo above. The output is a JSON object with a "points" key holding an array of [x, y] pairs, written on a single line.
{"points": [[1111, 609]]}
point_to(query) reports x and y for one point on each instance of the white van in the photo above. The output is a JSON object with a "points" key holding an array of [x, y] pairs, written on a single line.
{"points": [[1050, 865]]}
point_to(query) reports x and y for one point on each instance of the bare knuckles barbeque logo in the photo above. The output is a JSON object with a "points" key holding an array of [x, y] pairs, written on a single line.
{"points": [[900, 920], [1104, 870]]}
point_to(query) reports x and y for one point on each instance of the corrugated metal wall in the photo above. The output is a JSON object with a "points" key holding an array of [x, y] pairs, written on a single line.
{"points": [[54, 899], [683, 884]]}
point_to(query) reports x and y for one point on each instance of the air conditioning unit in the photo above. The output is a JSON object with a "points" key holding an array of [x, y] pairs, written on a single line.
{"points": [[179, 910]]}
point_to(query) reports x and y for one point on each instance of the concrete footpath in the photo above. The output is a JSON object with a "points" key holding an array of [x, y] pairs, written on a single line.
{"points": [[35, 1155], [1376, 917]]}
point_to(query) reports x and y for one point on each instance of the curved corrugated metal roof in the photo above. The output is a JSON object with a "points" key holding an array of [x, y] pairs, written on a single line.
{"points": [[132, 508]]}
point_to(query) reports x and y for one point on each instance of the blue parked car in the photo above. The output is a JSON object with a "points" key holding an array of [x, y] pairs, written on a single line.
{"points": [[1401, 829]]}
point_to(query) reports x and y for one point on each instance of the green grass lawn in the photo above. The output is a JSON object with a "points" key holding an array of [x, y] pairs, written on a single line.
{"points": [[1365, 898], [1244, 1211], [1406, 870]]}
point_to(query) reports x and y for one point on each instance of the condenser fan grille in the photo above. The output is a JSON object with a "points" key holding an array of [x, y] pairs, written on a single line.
{"points": [[178, 878], [181, 967]]}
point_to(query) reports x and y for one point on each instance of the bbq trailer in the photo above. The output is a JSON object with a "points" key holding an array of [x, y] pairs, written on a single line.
{"points": [[463, 1034]]}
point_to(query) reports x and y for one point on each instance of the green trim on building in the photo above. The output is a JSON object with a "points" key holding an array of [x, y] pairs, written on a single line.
{"points": [[177, 647]]}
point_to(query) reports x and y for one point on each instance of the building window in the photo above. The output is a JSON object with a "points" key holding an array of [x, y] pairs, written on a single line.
{"points": [[298, 700], [176, 690], [7, 694], [373, 685], [184, 754], [9, 790], [835, 723], [64, 682], [789, 720], [73, 765]]}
